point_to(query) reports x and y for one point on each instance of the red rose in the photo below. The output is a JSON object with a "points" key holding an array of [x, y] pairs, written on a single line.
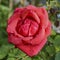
{"points": [[28, 29]]}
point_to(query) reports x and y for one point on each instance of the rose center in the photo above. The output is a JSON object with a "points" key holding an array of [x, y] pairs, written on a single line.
{"points": [[27, 28]]}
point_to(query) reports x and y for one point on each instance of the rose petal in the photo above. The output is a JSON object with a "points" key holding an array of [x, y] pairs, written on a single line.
{"points": [[34, 15], [30, 7], [48, 29], [32, 50], [43, 15], [31, 14], [12, 22], [14, 40], [37, 39], [18, 10], [33, 28], [23, 29]]}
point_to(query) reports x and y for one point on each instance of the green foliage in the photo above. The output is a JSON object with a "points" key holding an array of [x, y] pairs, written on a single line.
{"points": [[57, 56], [3, 51], [3, 15], [57, 41]]}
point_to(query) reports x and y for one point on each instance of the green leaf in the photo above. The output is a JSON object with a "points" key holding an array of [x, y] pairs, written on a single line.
{"points": [[13, 52], [4, 11], [3, 51], [53, 33], [4, 7], [43, 55], [37, 58], [21, 53], [50, 50], [57, 48], [11, 59], [57, 41], [50, 39], [16, 53], [57, 57], [26, 58]]}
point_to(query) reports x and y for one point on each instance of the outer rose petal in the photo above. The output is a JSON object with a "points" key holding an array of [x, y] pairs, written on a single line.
{"points": [[39, 37], [30, 13], [15, 15], [30, 49], [43, 15], [14, 39], [12, 22], [48, 29], [18, 10], [30, 7]]}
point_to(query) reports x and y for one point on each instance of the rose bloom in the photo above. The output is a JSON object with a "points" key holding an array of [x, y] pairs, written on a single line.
{"points": [[28, 29]]}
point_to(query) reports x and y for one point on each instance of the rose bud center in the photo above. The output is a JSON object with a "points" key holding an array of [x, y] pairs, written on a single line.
{"points": [[27, 27]]}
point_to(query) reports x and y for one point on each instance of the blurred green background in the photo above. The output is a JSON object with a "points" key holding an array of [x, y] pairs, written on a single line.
{"points": [[51, 50]]}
